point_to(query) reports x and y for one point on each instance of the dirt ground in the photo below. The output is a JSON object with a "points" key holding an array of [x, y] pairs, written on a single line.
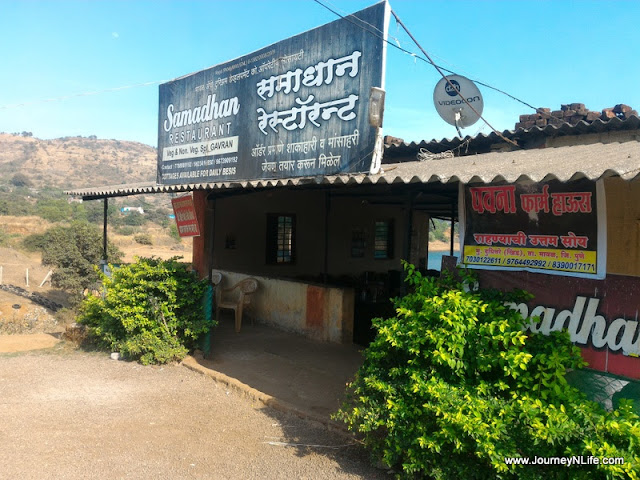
{"points": [[73, 414], [162, 246], [24, 270], [17, 313]]}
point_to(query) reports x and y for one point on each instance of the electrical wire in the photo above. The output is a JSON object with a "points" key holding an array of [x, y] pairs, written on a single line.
{"points": [[451, 84], [83, 94], [363, 25], [428, 60], [381, 35]]}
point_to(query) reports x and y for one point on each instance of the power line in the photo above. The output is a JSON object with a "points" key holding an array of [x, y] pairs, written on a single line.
{"points": [[451, 84], [427, 59], [83, 94], [372, 29]]}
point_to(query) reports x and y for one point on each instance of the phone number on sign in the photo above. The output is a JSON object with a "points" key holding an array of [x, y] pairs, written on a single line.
{"points": [[483, 260], [518, 262], [582, 267]]}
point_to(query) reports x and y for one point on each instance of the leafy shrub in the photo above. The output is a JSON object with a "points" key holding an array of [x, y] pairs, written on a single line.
{"points": [[134, 219], [452, 386], [126, 230], [94, 212], [54, 209], [143, 239], [4, 237], [74, 250], [16, 205], [440, 230], [152, 311], [173, 232], [157, 215], [21, 180]]}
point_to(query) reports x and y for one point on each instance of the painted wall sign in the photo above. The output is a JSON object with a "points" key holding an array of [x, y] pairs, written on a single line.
{"points": [[296, 108], [556, 228], [185, 214], [600, 315]]}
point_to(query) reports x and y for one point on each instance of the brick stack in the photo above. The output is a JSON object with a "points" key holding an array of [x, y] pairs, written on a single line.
{"points": [[573, 113], [395, 141]]}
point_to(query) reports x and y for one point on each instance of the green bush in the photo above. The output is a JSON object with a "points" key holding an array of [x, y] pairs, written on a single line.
{"points": [[54, 209], [4, 237], [126, 230], [173, 232], [143, 239], [151, 310], [441, 230], [134, 219], [21, 180], [158, 215], [15, 205], [74, 250], [452, 386], [94, 212]]}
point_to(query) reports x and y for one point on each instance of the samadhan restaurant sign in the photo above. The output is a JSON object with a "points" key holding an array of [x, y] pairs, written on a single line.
{"points": [[296, 108], [555, 228]]}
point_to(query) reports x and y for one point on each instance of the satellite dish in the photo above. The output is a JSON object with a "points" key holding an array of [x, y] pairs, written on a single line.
{"points": [[451, 107]]}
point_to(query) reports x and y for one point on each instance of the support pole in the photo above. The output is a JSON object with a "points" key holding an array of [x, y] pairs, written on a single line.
{"points": [[210, 230], [104, 230], [453, 217], [406, 247], [408, 206], [327, 207]]}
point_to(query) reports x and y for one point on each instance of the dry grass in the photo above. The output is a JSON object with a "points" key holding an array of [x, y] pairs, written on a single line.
{"points": [[16, 264], [163, 245], [75, 333], [23, 226], [74, 162]]}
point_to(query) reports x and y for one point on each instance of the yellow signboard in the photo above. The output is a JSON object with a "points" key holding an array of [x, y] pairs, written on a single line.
{"points": [[578, 261]]}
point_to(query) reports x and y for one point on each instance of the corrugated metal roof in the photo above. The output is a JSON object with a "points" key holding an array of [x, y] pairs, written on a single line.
{"points": [[482, 141], [592, 161]]}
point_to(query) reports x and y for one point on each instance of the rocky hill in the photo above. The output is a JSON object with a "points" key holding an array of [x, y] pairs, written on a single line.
{"points": [[75, 162]]}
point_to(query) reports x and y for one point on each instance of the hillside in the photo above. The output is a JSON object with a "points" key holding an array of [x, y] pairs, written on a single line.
{"points": [[33, 173], [75, 162]]}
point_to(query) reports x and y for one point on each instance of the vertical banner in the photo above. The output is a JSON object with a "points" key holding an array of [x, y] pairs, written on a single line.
{"points": [[550, 227], [186, 219]]}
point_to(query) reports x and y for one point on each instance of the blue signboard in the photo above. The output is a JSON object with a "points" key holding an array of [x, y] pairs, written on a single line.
{"points": [[296, 108]]}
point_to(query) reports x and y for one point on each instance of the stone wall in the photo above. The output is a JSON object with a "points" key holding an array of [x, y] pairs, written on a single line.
{"points": [[573, 113]]}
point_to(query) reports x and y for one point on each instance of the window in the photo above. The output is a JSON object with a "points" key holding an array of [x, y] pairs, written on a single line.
{"points": [[281, 237], [383, 240], [230, 242], [357, 242]]}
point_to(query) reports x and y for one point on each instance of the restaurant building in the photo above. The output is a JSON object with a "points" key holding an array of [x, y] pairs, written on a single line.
{"points": [[292, 184]]}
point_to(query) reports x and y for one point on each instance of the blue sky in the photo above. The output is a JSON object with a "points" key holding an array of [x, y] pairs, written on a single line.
{"points": [[545, 53]]}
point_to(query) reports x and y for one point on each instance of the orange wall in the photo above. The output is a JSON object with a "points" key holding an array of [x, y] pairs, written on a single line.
{"points": [[199, 260]]}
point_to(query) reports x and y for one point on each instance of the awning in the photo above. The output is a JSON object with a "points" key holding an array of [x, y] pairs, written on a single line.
{"points": [[592, 161]]}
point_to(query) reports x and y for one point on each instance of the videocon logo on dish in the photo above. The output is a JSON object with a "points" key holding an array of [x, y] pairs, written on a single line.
{"points": [[452, 88]]}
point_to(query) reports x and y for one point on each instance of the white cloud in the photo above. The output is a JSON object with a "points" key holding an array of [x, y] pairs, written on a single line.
{"points": [[115, 34]]}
